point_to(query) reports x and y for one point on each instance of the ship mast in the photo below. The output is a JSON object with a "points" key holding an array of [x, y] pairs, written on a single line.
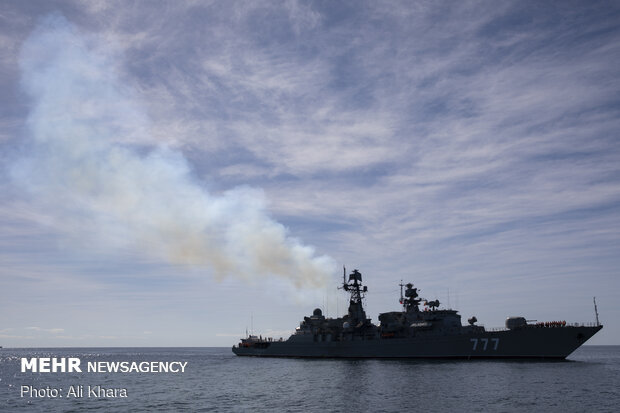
{"points": [[596, 312], [354, 287]]}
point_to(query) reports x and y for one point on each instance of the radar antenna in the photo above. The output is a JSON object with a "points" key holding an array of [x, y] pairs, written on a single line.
{"points": [[411, 299]]}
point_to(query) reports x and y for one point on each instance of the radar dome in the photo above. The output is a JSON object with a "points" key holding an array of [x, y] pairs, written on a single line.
{"points": [[317, 312]]}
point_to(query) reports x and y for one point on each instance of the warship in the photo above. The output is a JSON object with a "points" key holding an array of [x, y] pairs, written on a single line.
{"points": [[429, 332]]}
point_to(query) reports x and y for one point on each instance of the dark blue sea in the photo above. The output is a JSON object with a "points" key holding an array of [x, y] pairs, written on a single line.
{"points": [[216, 380]]}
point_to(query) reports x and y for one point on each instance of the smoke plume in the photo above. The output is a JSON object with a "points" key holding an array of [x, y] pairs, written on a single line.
{"points": [[91, 164]]}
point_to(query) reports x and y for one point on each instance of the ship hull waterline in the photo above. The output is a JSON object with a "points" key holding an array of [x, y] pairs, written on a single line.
{"points": [[527, 343]]}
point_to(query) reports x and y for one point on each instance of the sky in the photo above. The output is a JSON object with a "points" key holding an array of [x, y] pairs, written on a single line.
{"points": [[176, 173]]}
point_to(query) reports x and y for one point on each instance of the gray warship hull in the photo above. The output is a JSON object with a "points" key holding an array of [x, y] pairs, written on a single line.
{"points": [[415, 333], [527, 343]]}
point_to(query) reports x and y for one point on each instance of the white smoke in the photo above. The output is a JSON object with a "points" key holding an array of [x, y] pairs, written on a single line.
{"points": [[91, 163]]}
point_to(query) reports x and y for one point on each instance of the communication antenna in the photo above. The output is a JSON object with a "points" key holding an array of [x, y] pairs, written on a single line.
{"points": [[457, 299], [344, 287], [326, 303], [337, 306], [596, 312]]}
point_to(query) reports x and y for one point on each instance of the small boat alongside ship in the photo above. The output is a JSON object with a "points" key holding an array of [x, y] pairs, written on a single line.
{"points": [[415, 333]]}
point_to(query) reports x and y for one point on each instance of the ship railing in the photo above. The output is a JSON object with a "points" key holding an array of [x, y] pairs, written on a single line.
{"points": [[564, 324], [586, 324]]}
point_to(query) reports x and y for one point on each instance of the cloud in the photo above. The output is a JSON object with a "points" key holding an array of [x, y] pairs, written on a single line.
{"points": [[451, 145], [15, 337], [47, 330], [91, 166]]}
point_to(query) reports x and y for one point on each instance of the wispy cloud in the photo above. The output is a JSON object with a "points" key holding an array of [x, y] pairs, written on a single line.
{"points": [[47, 330], [451, 143], [83, 165]]}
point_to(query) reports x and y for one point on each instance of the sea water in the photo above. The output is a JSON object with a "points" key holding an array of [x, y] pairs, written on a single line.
{"points": [[216, 380]]}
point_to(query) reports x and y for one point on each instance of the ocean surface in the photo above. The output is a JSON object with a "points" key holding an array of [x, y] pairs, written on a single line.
{"points": [[216, 380]]}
